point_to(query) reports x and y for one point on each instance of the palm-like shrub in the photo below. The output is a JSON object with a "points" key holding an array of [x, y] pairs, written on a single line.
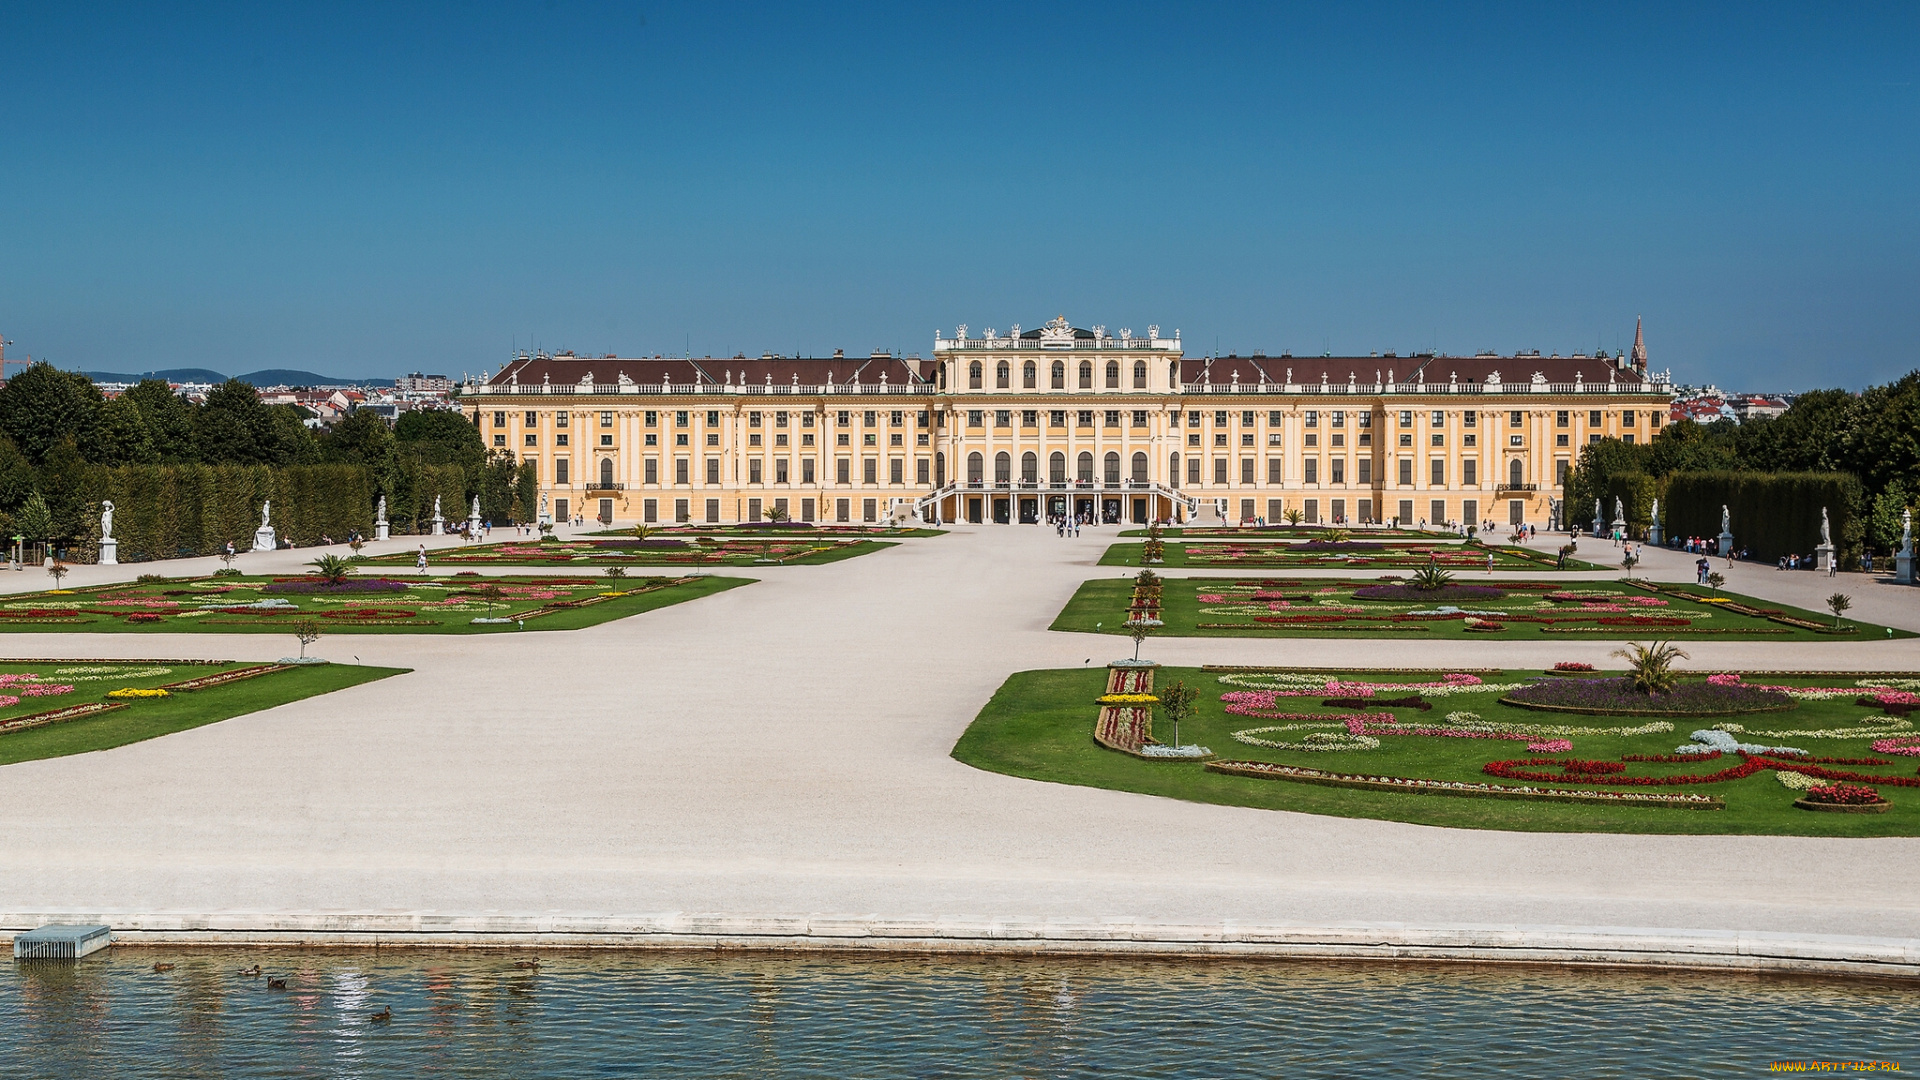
{"points": [[1838, 603], [1650, 667], [1715, 580], [332, 568], [1430, 578]]}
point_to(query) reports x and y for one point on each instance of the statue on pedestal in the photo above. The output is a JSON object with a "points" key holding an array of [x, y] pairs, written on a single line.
{"points": [[263, 537], [109, 547], [381, 530], [1903, 562], [439, 522]]}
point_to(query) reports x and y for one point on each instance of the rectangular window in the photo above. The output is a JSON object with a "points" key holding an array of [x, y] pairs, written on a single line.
{"points": [[606, 419], [560, 470], [1085, 419], [779, 470], [753, 509], [1339, 417], [532, 439], [650, 470], [1516, 418], [1366, 510], [680, 513], [1627, 418], [1113, 418], [753, 471], [1366, 470], [650, 510], [1467, 418], [1559, 440], [1193, 419], [1139, 418], [713, 418], [1437, 513], [1220, 418], [1057, 418], [1313, 470], [973, 417], [843, 472], [680, 418], [1029, 418], [533, 418], [1273, 470], [753, 420], [1560, 468], [1273, 418], [499, 419], [1514, 440], [713, 470], [607, 440], [1439, 468], [1406, 511], [843, 509], [1470, 511], [920, 471], [1627, 438], [870, 418], [560, 419], [1219, 470], [1467, 470], [652, 418], [896, 471], [1593, 418], [1439, 419], [1246, 472], [1312, 418], [680, 470], [1406, 417], [1337, 469], [1003, 418], [1276, 509], [560, 439], [1340, 510], [807, 509], [1562, 418], [1406, 470], [781, 506], [1365, 419], [870, 471], [869, 510], [713, 510], [499, 440], [1312, 510], [806, 470], [1193, 470]]}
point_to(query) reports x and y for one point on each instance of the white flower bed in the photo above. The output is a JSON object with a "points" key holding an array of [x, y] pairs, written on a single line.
{"points": [[1155, 750]]}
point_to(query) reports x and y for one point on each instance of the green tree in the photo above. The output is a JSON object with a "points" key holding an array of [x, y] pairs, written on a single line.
{"points": [[526, 492], [361, 437], [1838, 603], [121, 436], [43, 405], [234, 428], [1883, 527], [292, 441], [169, 419], [332, 569], [35, 519], [16, 475], [1176, 701]]}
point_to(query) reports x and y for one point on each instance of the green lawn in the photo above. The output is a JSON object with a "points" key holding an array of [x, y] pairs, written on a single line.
{"points": [[1039, 726], [1355, 555], [655, 551], [147, 718], [406, 604], [1326, 608]]}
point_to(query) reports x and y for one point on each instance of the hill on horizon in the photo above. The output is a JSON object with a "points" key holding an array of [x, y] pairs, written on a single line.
{"points": [[267, 377]]}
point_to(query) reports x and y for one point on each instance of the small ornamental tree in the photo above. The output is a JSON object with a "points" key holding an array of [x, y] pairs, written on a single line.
{"points": [[1628, 560], [227, 555], [490, 592], [1650, 667], [778, 515], [1715, 580], [1139, 630], [614, 574], [1177, 701], [306, 631], [59, 572], [1838, 603], [642, 531]]}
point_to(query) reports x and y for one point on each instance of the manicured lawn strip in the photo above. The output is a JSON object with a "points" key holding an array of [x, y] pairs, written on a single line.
{"points": [[1460, 558], [573, 553], [153, 717], [427, 622], [1039, 726], [1100, 606]]}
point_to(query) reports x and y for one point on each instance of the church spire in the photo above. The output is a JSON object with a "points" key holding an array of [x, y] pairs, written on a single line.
{"points": [[1639, 346]]}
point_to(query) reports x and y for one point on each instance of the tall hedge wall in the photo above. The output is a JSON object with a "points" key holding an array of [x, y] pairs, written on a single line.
{"points": [[173, 511], [1772, 514]]}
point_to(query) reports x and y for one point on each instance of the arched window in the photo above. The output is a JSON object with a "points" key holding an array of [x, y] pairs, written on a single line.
{"points": [[973, 375], [606, 472], [1513, 472], [1083, 467], [940, 470], [1113, 374], [1002, 468], [1112, 463], [1029, 376], [1139, 374], [1086, 374], [1173, 375], [1173, 469], [1057, 465], [1029, 467], [1139, 468], [1059, 375], [943, 376], [1002, 376], [975, 463]]}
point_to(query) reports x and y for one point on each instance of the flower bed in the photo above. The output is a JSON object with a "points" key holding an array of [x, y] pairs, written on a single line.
{"points": [[137, 692], [1615, 697], [353, 586], [224, 677], [71, 712], [1417, 595], [1268, 771]]}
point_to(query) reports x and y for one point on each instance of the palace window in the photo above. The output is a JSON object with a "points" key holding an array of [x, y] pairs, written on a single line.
{"points": [[1003, 418], [1468, 472], [1029, 376], [1057, 468], [894, 473], [1406, 417], [1219, 470], [654, 440], [1002, 379], [1139, 374], [1246, 418], [1364, 419], [1593, 418], [1626, 419], [806, 439], [974, 417], [920, 472], [1439, 418], [1406, 440], [896, 418], [713, 438], [1560, 440], [843, 439], [1513, 440], [560, 419], [1193, 439], [1059, 375], [973, 375], [1312, 466], [499, 419], [1113, 418], [1467, 418], [1438, 467], [1561, 418], [713, 418], [1193, 470], [713, 470], [753, 419], [1366, 470], [1366, 438], [870, 439], [560, 439], [1337, 470], [843, 471], [1086, 377], [499, 440], [1339, 418], [753, 439], [680, 419], [1273, 418], [1439, 439], [1084, 419], [1274, 475], [532, 439], [1312, 418], [1029, 467], [1113, 376], [1029, 418], [870, 418], [779, 470], [533, 419], [1083, 467], [843, 418], [753, 470], [1220, 418], [1312, 439], [778, 440], [1246, 438], [1467, 439], [1516, 418], [896, 439], [650, 470], [870, 471], [1057, 418]]}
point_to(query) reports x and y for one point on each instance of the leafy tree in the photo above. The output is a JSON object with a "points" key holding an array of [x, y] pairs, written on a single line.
{"points": [[16, 475], [169, 419], [121, 436], [526, 492], [1883, 526], [306, 631], [59, 572], [293, 442], [234, 428], [361, 437], [63, 477], [1838, 603], [1650, 667], [1176, 701], [43, 405], [1139, 630], [35, 520], [1715, 580]]}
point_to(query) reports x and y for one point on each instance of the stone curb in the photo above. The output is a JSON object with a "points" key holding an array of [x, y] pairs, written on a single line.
{"points": [[1730, 950]]}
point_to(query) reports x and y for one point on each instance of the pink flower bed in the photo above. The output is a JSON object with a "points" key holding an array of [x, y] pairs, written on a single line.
{"points": [[1904, 745]]}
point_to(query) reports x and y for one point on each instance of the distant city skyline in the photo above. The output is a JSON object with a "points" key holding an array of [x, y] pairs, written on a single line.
{"points": [[367, 190]]}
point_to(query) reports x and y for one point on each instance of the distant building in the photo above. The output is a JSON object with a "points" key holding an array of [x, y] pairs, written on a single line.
{"points": [[418, 383]]}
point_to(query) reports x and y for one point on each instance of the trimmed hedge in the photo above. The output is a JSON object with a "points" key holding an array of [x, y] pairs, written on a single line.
{"points": [[1773, 514], [174, 511]]}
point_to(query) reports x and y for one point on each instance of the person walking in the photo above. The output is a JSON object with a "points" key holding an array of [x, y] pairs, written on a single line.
{"points": [[420, 559]]}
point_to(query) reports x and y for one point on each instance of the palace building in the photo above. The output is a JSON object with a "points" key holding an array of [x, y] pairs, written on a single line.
{"points": [[1014, 427]]}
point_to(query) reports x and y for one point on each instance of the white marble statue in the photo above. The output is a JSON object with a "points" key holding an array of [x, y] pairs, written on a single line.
{"points": [[475, 515], [266, 510], [1826, 533], [1596, 511], [1656, 511], [1726, 520], [380, 512], [1619, 509], [1906, 531], [436, 506], [106, 520]]}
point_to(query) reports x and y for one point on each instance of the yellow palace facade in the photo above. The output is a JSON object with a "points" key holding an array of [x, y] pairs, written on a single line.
{"points": [[1016, 427]]}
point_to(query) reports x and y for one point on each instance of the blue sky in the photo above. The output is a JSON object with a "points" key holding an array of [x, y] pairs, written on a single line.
{"points": [[366, 190]]}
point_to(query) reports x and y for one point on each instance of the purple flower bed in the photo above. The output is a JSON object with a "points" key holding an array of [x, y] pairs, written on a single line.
{"points": [[349, 587], [1408, 592], [1616, 696]]}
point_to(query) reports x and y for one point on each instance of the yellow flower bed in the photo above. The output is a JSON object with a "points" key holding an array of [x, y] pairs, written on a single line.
{"points": [[136, 692], [1128, 699]]}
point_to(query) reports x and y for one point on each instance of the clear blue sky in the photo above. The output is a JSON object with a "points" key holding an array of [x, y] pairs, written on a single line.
{"points": [[369, 190]]}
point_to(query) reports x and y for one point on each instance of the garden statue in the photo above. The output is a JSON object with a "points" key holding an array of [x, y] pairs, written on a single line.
{"points": [[109, 547], [1826, 534], [1726, 520], [1903, 562], [381, 530], [1906, 530], [1619, 509], [1823, 555], [263, 538], [1654, 535], [1597, 523], [266, 508], [439, 522]]}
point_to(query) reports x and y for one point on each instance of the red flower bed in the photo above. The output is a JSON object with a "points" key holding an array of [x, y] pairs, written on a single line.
{"points": [[1413, 702], [1844, 795], [1640, 620], [1526, 769], [370, 614], [1572, 665]]}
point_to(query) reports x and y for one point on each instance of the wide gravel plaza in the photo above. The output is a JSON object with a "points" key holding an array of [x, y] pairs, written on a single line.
{"points": [[782, 750]]}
